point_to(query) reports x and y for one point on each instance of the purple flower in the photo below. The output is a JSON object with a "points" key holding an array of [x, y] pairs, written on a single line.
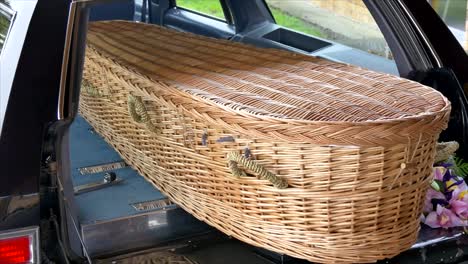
{"points": [[439, 173], [446, 164], [445, 181], [446, 203], [443, 217], [455, 183], [432, 198]]}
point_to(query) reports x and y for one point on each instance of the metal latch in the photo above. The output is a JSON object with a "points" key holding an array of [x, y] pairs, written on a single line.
{"points": [[110, 178], [160, 204], [102, 167]]}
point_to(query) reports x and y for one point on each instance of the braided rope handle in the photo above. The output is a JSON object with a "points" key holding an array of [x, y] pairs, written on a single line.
{"points": [[235, 158], [139, 113]]}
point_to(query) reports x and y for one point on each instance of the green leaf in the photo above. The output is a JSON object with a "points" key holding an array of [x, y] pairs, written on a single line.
{"points": [[437, 185], [460, 167]]}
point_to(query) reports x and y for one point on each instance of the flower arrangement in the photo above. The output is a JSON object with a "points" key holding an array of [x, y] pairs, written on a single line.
{"points": [[446, 203]]}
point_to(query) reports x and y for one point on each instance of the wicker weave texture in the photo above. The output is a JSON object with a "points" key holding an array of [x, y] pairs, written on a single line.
{"points": [[354, 147]]}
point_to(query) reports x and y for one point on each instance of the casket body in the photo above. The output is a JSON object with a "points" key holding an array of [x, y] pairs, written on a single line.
{"points": [[315, 159]]}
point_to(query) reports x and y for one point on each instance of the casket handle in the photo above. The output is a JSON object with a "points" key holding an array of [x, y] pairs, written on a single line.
{"points": [[236, 158], [137, 110]]}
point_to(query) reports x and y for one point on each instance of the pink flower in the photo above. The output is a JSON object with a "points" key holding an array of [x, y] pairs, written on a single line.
{"points": [[459, 202], [432, 194], [460, 208], [443, 217]]}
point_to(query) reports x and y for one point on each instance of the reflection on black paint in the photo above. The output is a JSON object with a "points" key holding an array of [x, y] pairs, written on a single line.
{"points": [[453, 12]]}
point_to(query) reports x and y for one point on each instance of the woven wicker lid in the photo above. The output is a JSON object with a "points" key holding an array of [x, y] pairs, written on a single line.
{"points": [[273, 85]]}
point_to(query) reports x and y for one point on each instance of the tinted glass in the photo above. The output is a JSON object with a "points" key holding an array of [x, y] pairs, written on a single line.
{"points": [[347, 22], [454, 13], [208, 7]]}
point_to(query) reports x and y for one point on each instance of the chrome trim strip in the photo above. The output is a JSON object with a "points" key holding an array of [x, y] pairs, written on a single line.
{"points": [[436, 240], [102, 167], [66, 55], [143, 213], [154, 205], [93, 186]]}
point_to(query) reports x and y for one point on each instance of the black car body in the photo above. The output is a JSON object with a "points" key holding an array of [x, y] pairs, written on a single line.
{"points": [[42, 61]]}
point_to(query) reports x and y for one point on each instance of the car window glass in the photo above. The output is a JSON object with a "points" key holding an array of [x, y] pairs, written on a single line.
{"points": [[455, 14], [6, 19], [208, 7], [347, 22]]}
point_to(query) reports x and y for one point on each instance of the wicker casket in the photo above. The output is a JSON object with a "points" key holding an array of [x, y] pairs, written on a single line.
{"points": [[300, 155]]}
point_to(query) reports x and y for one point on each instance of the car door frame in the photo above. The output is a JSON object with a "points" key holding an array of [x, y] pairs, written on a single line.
{"points": [[421, 56]]}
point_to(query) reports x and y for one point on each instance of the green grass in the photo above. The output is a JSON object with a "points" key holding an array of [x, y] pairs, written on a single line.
{"points": [[214, 8], [292, 22], [4, 26], [208, 7]]}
